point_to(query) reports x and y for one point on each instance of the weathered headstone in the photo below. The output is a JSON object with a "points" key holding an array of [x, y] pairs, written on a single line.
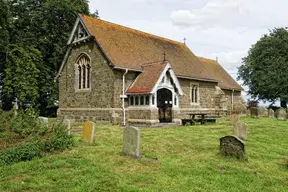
{"points": [[44, 120], [88, 132], [15, 108], [254, 112], [263, 112], [248, 112], [68, 124], [271, 113], [131, 141], [232, 146], [281, 114], [241, 130], [234, 118]]}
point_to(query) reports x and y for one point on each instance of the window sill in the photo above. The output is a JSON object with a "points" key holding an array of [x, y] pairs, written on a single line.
{"points": [[83, 90], [195, 104]]}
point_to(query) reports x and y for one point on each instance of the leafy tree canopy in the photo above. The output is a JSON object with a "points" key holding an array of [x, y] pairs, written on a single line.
{"points": [[36, 25], [265, 68]]}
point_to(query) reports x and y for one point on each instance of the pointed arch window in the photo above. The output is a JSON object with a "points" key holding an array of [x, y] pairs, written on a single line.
{"points": [[83, 72]]}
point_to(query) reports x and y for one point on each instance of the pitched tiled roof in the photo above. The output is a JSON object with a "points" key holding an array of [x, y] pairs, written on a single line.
{"points": [[129, 48], [146, 81], [225, 81]]}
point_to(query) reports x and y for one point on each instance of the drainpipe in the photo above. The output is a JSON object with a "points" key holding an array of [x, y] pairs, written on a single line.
{"points": [[232, 100], [123, 96]]}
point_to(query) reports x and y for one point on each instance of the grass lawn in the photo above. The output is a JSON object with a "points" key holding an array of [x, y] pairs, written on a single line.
{"points": [[176, 159]]}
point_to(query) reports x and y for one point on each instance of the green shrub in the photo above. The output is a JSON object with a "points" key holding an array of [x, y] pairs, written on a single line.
{"points": [[24, 137], [24, 152], [59, 140]]}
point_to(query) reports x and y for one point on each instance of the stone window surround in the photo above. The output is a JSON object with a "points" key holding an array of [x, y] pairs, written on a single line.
{"points": [[198, 94], [88, 73]]}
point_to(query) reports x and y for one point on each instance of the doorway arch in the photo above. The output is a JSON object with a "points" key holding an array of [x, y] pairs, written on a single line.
{"points": [[164, 104]]}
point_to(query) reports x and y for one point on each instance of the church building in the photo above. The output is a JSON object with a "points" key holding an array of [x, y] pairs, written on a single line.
{"points": [[112, 73]]}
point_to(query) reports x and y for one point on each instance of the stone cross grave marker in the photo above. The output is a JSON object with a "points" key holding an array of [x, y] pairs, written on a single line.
{"points": [[241, 130], [232, 146], [271, 113], [88, 132], [254, 112], [234, 118], [68, 124], [131, 141], [44, 120], [281, 114]]}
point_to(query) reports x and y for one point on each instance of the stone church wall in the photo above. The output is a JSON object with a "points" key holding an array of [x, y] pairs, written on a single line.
{"points": [[82, 104]]}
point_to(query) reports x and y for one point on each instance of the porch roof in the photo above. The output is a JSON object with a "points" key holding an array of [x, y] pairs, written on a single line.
{"points": [[146, 81]]}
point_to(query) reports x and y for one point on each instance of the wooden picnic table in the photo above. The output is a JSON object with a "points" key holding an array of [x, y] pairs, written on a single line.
{"points": [[192, 116]]}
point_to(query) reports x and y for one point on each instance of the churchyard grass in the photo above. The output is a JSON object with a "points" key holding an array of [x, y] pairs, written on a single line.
{"points": [[175, 159]]}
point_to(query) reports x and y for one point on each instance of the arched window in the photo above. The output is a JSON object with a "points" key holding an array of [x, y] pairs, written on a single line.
{"points": [[136, 100], [194, 94], [142, 100], [147, 100], [83, 72]]}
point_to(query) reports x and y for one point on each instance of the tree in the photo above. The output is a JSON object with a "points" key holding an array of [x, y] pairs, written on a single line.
{"points": [[265, 68], [44, 25], [21, 74], [4, 22]]}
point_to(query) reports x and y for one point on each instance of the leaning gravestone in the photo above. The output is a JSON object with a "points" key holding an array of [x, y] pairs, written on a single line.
{"points": [[68, 124], [271, 113], [88, 132], [262, 112], [131, 141], [281, 114], [241, 130], [254, 112], [234, 118], [232, 146], [44, 120], [248, 112]]}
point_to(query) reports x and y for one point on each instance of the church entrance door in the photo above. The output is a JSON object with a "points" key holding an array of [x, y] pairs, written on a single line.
{"points": [[164, 104]]}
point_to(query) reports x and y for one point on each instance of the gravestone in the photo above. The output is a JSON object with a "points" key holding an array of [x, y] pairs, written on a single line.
{"points": [[271, 113], [131, 141], [68, 124], [88, 132], [241, 130], [262, 112], [232, 146], [281, 114], [15, 108], [254, 112], [248, 112], [44, 120], [234, 118]]}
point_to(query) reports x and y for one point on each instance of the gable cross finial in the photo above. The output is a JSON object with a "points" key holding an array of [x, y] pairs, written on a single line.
{"points": [[185, 40]]}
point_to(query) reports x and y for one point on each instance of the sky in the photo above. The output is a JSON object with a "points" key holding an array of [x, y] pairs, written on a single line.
{"points": [[223, 29]]}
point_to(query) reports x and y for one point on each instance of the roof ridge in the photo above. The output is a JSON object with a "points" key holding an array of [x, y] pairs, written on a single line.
{"points": [[136, 30]]}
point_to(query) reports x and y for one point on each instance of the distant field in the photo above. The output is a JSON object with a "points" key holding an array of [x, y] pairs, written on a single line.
{"points": [[176, 159]]}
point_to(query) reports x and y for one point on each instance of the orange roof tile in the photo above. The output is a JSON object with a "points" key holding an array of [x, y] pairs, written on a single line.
{"points": [[225, 81], [146, 81], [129, 48]]}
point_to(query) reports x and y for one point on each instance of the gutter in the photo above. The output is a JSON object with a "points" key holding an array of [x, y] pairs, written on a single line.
{"points": [[123, 96], [232, 100]]}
